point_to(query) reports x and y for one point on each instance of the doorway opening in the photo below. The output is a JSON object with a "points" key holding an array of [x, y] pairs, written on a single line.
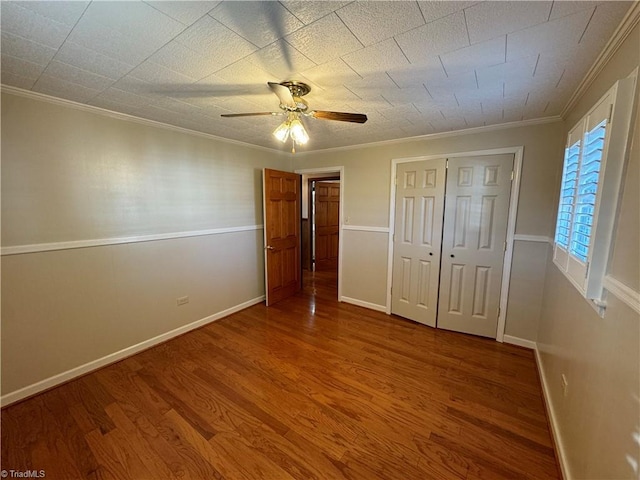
{"points": [[323, 224], [321, 228]]}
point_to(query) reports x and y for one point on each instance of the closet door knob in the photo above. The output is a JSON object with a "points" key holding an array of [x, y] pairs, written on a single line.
{"points": [[452, 255], [430, 253]]}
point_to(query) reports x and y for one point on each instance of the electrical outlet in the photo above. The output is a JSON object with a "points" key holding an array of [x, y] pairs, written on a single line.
{"points": [[565, 385], [182, 301]]}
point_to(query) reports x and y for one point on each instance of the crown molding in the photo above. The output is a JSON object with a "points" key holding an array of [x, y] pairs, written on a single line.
{"points": [[124, 116], [628, 23], [435, 136]]}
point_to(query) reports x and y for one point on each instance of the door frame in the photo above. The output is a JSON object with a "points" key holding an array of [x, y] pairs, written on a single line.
{"points": [[340, 171], [518, 153]]}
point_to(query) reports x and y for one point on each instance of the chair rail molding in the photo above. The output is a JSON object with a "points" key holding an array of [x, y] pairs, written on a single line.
{"points": [[100, 242]]}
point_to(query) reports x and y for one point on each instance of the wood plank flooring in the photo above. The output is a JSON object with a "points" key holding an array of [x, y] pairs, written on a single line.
{"points": [[307, 389]]}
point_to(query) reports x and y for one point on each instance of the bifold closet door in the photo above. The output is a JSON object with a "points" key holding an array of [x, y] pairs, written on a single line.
{"points": [[419, 213], [478, 190]]}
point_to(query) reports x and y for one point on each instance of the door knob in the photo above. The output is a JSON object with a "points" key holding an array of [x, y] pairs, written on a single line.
{"points": [[452, 255], [430, 253], [269, 247]]}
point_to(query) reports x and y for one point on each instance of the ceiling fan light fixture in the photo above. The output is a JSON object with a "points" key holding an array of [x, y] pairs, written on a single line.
{"points": [[298, 132], [292, 127], [282, 132]]}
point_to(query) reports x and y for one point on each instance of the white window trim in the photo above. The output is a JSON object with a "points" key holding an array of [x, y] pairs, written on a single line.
{"points": [[614, 156]]}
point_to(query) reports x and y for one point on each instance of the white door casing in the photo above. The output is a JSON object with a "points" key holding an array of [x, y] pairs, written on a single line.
{"points": [[474, 243], [419, 210]]}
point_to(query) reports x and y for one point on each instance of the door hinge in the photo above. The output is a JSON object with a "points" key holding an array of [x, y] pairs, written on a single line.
{"points": [[446, 163], [499, 310], [512, 175], [505, 246], [610, 113]]}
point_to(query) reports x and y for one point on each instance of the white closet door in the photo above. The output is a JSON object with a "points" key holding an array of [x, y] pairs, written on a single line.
{"points": [[417, 243], [475, 230]]}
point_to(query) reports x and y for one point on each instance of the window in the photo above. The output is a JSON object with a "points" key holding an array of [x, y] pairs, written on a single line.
{"points": [[593, 163]]}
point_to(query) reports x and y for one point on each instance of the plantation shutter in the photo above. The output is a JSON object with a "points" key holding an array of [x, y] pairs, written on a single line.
{"points": [[567, 194], [590, 187], [569, 185], [587, 189]]}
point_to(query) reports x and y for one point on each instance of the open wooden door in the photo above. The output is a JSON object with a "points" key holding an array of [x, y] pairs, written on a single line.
{"points": [[281, 201], [327, 222]]}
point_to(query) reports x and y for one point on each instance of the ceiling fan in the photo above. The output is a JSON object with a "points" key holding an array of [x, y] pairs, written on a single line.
{"points": [[292, 104]]}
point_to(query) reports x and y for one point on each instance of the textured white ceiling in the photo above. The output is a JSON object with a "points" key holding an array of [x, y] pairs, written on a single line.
{"points": [[413, 67]]}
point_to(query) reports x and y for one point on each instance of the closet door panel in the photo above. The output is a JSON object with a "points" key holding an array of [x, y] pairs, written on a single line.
{"points": [[419, 210], [475, 228]]}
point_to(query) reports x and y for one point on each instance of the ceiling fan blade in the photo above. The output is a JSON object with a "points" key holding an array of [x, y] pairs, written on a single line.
{"points": [[339, 116], [283, 93], [252, 114]]}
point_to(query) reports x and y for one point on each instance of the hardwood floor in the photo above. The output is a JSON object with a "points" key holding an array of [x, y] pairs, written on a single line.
{"points": [[307, 389]]}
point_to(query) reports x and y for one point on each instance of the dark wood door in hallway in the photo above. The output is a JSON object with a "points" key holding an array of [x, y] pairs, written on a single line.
{"points": [[307, 389], [327, 225]]}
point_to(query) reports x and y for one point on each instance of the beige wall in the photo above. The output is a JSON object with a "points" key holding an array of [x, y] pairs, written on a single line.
{"points": [[527, 284], [72, 175], [599, 419], [366, 185], [361, 267]]}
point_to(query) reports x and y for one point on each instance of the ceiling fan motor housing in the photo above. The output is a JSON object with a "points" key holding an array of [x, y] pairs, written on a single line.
{"points": [[298, 90]]}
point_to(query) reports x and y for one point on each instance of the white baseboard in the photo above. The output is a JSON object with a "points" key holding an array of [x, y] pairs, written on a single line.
{"points": [[520, 342], [555, 432], [362, 303], [56, 380]]}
